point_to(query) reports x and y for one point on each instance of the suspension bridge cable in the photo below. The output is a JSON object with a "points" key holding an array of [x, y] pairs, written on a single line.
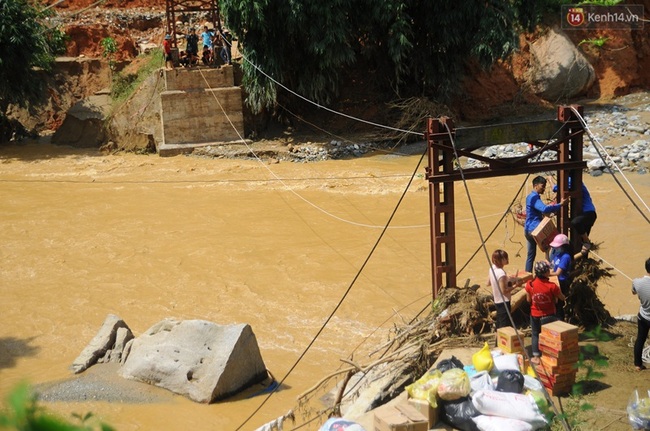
{"points": [[615, 268], [596, 144], [342, 299], [318, 105]]}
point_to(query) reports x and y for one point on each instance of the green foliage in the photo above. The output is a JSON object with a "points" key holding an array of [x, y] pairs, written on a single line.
{"points": [[124, 84], [109, 48], [27, 45], [24, 414], [410, 47], [598, 334]]}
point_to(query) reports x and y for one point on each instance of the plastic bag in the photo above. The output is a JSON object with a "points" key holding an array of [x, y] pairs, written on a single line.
{"points": [[531, 372], [495, 423], [506, 362], [459, 414], [509, 405], [482, 359], [448, 364], [340, 424], [531, 383], [510, 381], [638, 411], [454, 384], [542, 404], [481, 381], [426, 387]]}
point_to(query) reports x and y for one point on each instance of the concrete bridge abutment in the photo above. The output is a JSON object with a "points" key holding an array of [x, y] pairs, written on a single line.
{"points": [[200, 107]]}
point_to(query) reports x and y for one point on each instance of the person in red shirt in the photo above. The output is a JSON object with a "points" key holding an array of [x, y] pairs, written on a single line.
{"points": [[542, 295], [167, 47]]}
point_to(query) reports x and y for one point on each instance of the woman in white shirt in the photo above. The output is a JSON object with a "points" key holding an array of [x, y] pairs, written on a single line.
{"points": [[501, 287]]}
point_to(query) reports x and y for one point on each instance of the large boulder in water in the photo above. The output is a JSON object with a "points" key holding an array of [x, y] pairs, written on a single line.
{"points": [[201, 360], [558, 70]]}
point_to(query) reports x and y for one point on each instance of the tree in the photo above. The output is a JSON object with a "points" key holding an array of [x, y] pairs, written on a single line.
{"points": [[417, 47], [27, 46]]}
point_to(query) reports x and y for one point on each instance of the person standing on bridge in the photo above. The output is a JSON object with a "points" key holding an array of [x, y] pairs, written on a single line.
{"points": [[535, 210], [192, 47], [167, 48], [206, 36], [583, 223], [225, 52]]}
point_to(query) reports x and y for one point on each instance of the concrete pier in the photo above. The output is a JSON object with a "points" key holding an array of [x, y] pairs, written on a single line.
{"points": [[199, 107]]}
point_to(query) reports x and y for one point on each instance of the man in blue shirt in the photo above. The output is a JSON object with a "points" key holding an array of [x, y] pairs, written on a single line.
{"points": [[206, 37], [583, 223], [535, 210]]}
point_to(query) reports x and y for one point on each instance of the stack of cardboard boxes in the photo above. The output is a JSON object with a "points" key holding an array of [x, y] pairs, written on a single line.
{"points": [[557, 369]]}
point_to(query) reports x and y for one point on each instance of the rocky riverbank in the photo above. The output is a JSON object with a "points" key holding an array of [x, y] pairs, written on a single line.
{"points": [[625, 121]]}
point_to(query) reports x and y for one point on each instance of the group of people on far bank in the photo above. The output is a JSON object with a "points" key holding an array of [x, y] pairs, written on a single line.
{"points": [[216, 44], [547, 298]]}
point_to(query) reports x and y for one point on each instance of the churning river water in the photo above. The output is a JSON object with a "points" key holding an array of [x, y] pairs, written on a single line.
{"points": [[238, 241]]}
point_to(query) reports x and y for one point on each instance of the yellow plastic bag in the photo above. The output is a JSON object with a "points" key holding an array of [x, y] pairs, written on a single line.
{"points": [[482, 360], [426, 388], [531, 372], [454, 384]]}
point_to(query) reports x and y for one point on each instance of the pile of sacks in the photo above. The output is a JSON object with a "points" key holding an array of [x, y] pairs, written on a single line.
{"points": [[491, 394]]}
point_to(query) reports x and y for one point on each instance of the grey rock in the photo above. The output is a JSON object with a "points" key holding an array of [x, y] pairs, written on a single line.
{"points": [[638, 129], [201, 360], [558, 69], [595, 164], [103, 347]]}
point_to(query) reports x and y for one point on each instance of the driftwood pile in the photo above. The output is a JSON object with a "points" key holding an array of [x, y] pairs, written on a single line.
{"points": [[583, 306]]}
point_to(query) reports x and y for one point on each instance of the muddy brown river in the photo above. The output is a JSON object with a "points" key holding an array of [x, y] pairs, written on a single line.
{"points": [[238, 241]]}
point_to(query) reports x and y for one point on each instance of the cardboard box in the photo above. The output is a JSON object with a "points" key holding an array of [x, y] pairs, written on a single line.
{"points": [[523, 363], [556, 344], [556, 362], [521, 275], [424, 407], [552, 367], [562, 357], [400, 417], [557, 379], [544, 233], [560, 331], [507, 340]]}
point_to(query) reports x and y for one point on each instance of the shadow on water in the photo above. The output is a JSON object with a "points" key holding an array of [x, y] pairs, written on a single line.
{"points": [[12, 348]]}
